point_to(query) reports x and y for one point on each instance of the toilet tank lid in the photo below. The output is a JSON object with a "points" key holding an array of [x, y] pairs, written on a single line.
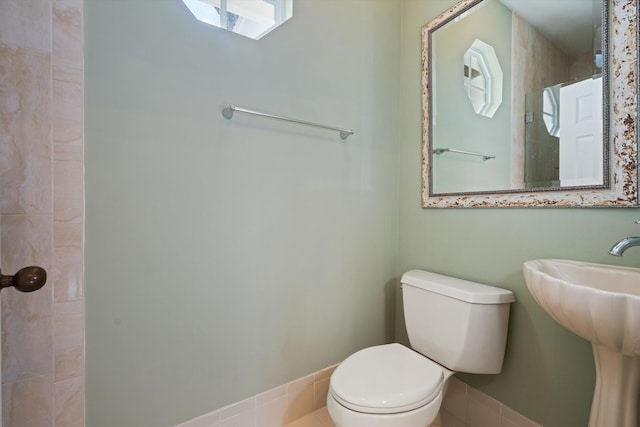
{"points": [[464, 290]]}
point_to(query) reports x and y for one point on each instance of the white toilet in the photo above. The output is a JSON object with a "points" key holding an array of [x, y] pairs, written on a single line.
{"points": [[453, 325]]}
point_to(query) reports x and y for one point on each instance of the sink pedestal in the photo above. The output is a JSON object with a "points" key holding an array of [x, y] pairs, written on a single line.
{"points": [[615, 398]]}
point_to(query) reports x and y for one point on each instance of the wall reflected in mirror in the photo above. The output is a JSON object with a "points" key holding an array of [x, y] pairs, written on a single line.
{"points": [[548, 130]]}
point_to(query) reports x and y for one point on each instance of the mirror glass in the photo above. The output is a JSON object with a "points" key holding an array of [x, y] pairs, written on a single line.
{"points": [[513, 102], [538, 53], [483, 78], [250, 18]]}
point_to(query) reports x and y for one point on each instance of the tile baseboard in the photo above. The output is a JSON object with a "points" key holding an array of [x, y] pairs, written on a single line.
{"points": [[462, 406], [465, 406], [276, 407]]}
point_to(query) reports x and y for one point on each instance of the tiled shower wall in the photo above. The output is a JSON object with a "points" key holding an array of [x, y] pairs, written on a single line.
{"points": [[41, 210]]}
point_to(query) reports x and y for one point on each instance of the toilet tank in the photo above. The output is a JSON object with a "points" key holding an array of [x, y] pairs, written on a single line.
{"points": [[459, 324]]}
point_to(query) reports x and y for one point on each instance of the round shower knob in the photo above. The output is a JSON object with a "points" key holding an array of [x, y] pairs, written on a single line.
{"points": [[27, 279]]}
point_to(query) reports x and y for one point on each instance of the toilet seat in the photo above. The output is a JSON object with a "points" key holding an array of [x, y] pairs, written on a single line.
{"points": [[386, 379]]}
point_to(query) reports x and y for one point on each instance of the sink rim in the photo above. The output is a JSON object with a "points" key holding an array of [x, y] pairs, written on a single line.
{"points": [[537, 266], [603, 317]]}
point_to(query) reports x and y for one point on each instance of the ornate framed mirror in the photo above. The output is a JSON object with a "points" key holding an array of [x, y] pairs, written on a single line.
{"points": [[518, 113]]}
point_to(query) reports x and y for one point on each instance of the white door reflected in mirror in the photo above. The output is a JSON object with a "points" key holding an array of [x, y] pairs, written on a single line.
{"points": [[250, 18], [581, 144]]}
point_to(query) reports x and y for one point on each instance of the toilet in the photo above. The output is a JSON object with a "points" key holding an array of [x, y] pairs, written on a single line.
{"points": [[453, 325]]}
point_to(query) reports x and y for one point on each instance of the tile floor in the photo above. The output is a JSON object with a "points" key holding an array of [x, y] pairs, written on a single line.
{"points": [[319, 418]]}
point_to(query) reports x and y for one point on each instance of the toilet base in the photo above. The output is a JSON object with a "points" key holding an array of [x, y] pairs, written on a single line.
{"points": [[420, 417]]}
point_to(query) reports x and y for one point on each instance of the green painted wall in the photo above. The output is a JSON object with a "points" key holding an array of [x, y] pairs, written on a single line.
{"points": [[548, 373], [224, 258]]}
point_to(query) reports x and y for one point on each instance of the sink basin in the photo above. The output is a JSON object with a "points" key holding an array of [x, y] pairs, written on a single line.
{"points": [[600, 303]]}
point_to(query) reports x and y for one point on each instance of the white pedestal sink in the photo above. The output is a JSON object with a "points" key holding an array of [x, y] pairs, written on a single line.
{"points": [[600, 303]]}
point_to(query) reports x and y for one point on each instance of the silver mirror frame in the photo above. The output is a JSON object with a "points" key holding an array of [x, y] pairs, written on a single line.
{"points": [[623, 122]]}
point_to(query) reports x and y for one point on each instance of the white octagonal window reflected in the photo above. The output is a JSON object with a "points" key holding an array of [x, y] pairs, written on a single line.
{"points": [[483, 78], [551, 109], [250, 18]]}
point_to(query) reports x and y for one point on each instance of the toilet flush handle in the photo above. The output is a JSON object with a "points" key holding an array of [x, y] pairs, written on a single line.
{"points": [[27, 279]]}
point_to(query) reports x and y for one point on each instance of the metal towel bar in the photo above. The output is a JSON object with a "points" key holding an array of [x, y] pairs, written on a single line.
{"points": [[228, 111], [468, 153]]}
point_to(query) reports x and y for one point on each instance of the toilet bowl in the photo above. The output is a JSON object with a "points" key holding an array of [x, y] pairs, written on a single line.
{"points": [[453, 325], [386, 386]]}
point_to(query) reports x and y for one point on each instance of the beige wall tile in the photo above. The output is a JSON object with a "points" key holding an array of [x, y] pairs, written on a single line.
{"points": [[26, 23], [68, 200], [26, 346], [68, 205], [69, 364], [67, 235], [67, 109], [26, 241], [243, 419], [447, 419], [290, 405], [320, 391], [275, 407], [69, 322], [274, 393], [325, 373], [68, 144], [26, 317], [28, 403], [67, 275], [69, 402], [272, 413], [300, 398], [25, 130], [482, 410], [247, 405], [455, 399], [68, 338], [67, 32]]}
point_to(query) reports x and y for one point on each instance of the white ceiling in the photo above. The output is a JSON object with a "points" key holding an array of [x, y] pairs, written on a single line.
{"points": [[568, 23]]}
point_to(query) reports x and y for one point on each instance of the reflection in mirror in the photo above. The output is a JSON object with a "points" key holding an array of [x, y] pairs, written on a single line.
{"points": [[550, 110], [550, 136], [250, 18], [483, 78], [580, 134]]}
